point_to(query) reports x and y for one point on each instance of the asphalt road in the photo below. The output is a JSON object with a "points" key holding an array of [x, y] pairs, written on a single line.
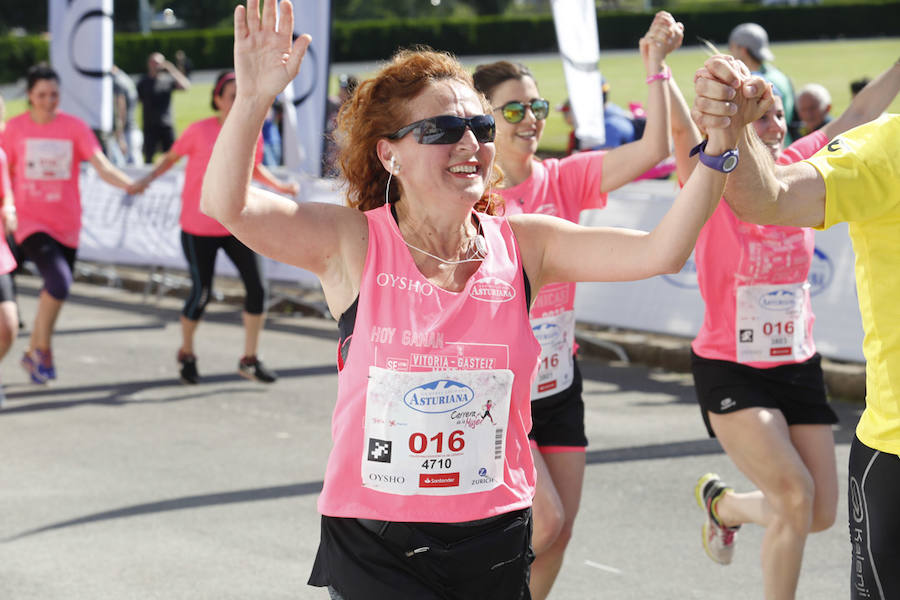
{"points": [[117, 482]]}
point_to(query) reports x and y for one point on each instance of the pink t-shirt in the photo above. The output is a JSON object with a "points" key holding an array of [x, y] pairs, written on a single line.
{"points": [[7, 261], [732, 254], [562, 188], [44, 161], [197, 143], [432, 416]]}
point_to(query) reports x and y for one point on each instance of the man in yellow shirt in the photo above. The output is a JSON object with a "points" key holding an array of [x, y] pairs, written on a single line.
{"points": [[854, 179]]}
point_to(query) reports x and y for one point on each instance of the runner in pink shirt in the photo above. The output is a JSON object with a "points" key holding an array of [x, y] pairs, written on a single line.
{"points": [[758, 377], [45, 148], [430, 479], [563, 188], [201, 238], [9, 314]]}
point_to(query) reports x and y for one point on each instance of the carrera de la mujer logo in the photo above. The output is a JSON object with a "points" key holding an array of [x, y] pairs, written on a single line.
{"points": [[440, 396], [491, 289], [777, 299]]}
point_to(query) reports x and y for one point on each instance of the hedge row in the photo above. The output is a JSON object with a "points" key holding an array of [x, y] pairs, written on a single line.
{"points": [[372, 40]]}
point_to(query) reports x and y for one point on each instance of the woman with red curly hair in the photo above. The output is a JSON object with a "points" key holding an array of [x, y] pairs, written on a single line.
{"points": [[429, 484]]}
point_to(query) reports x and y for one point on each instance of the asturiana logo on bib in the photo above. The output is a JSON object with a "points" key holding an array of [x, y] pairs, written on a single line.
{"points": [[440, 396], [546, 332], [777, 299], [491, 289]]}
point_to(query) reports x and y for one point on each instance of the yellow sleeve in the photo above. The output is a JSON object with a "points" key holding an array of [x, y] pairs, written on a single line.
{"points": [[861, 170]]}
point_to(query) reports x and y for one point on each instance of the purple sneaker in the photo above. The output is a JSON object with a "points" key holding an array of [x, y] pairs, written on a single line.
{"points": [[45, 363], [31, 364]]}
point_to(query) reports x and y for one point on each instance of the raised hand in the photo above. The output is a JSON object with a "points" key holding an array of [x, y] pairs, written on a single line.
{"points": [[663, 37], [728, 96], [265, 59]]}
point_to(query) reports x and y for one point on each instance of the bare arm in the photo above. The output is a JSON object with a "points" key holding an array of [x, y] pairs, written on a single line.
{"points": [[288, 188], [685, 133], [868, 104], [326, 239], [164, 164], [113, 176], [181, 82], [625, 163], [549, 245], [615, 254], [758, 191]]}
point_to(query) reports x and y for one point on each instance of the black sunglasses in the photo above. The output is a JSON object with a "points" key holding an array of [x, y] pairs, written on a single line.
{"points": [[514, 111], [448, 129]]}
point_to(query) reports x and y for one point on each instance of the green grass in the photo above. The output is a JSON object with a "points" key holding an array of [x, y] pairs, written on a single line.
{"points": [[832, 63]]}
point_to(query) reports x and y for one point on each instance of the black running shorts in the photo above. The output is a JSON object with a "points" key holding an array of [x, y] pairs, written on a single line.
{"points": [[361, 559], [797, 390], [558, 420]]}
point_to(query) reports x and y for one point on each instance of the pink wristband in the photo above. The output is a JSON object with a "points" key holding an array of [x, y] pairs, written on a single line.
{"points": [[664, 74]]}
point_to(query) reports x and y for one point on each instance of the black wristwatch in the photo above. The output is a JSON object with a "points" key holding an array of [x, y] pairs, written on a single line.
{"points": [[726, 163]]}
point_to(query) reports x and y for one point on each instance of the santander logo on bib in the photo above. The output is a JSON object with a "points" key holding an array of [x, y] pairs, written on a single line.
{"points": [[492, 289], [777, 299], [439, 396]]}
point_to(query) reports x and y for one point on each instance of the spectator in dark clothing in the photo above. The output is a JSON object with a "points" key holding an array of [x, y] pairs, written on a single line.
{"points": [[155, 92]]}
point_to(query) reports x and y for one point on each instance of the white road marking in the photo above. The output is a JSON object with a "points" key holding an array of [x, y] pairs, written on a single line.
{"points": [[591, 563]]}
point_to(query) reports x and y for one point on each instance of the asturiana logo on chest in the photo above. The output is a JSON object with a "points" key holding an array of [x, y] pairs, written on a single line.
{"points": [[492, 289], [439, 396], [777, 299]]}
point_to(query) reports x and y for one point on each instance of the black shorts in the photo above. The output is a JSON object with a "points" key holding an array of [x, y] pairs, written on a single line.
{"points": [[558, 420], [381, 560], [797, 390], [874, 495]]}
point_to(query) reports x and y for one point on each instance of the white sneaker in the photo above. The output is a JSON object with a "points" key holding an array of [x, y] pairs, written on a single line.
{"points": [[718, 540]]}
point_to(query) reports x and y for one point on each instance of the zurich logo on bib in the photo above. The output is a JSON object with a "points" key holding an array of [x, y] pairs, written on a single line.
{"points": [[440, 396]]}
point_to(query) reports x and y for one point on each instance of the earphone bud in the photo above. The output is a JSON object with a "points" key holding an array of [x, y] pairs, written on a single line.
{"points": [[480, 246], [395, 168]]}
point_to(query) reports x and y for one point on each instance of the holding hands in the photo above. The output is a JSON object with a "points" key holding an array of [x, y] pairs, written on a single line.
{"points": [[265, 59], [728, 98]]}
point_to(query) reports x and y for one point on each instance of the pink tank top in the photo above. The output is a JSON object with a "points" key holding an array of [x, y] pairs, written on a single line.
{"points": [[561, 188], [432, 416], [753, 281]]}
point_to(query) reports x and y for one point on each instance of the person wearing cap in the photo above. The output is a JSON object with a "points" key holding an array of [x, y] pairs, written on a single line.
{"points": [[749, 43]]}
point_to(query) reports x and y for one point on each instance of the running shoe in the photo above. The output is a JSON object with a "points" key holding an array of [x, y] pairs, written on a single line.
{"points": [[718, 539], [253, 369], [187, 373], [45, 363], [31, 365]]}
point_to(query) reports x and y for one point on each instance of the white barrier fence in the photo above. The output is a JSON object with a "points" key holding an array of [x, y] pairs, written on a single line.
{"points": [[143, 230]]}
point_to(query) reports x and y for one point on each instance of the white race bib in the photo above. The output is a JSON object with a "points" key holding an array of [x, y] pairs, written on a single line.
{"points": [[436, 433], [48, 159], [556, 369], [772, 323]]}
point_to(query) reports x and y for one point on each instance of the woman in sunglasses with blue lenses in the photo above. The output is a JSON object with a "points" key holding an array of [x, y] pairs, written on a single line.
{"points": [[430, 480], [564, 188]]}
